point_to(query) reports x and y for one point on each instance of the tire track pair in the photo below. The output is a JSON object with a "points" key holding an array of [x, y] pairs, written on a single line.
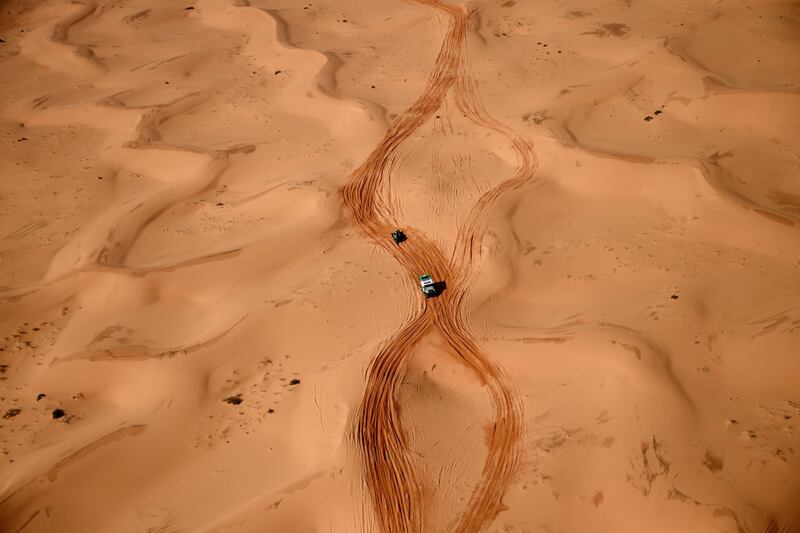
{"points": [[389, 470]]}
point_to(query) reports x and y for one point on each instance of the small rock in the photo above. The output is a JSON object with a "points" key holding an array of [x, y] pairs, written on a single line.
{"points": [[11, 413], [58, 413], [188, 8], [40, 396], [295, 381], [648, 118], [270, 411], [674, 296], [236, 399]]}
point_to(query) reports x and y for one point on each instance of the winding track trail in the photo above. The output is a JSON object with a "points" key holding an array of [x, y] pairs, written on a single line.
{"points": [[390, 473]]}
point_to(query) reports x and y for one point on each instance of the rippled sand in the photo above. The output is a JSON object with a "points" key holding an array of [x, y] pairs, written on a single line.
{"points": [[205, 326]]}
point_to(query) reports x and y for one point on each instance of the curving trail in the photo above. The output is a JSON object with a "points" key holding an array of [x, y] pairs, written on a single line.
{"points": [[389, 470]]}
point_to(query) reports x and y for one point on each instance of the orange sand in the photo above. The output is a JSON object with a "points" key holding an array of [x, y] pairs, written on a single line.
{"points": [[195, 266]]}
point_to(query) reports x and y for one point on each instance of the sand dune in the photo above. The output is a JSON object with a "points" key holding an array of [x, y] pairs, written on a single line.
{"points": [[206, 326]]}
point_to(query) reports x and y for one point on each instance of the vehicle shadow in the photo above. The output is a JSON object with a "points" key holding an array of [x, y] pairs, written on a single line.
{"points": [[439, 287]]}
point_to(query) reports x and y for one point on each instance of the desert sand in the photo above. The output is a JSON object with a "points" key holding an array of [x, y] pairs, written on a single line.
{"points": [[206, 327]]}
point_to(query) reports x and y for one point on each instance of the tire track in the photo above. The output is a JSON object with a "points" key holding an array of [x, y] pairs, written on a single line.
{"points": [[390, 473]]}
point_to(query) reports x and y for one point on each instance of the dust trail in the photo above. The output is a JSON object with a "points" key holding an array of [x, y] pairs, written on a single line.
{"points": [[390, 472]]}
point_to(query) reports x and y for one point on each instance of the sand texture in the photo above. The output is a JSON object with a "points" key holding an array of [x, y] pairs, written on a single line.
{"points": [[205, 325]]}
